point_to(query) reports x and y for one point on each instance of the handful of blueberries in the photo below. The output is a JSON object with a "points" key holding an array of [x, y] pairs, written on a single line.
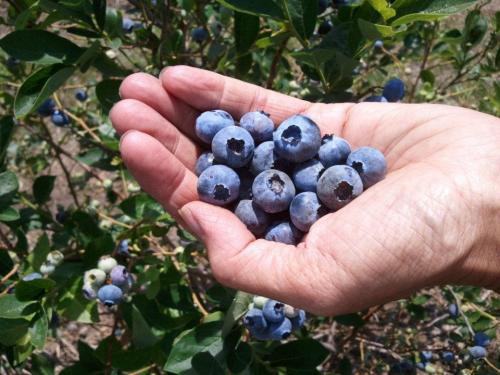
{"points": [[279, 183]]}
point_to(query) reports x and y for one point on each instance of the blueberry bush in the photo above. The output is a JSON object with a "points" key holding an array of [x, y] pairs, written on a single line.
{"points": [[96, 278]]}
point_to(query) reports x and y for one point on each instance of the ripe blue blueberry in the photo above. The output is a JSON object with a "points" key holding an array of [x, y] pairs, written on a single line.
{"points": [[273, 191], [47, 107], [281, 330], [264, 158], [259, 125], [59, 118], [453, 310], [299, 320], [477, 352], [127, 25], [369, 163], [284, 232], [425, 356], [305, 210], [481, 339], [205, 160], [218, 185], [306, 175], [448, 357], [119, 275], [252, 216], [394, 90], [254, 319], [123, 248], [81, 95], [375, 99], [297, 139], [233, 146], [61, 216], [325, 27], [89, 291], [274, 311], [110, 295], [209, 123], [338, 186], [32, 276], [333, 151], [199, 35], [378, 44], [322, 6]]}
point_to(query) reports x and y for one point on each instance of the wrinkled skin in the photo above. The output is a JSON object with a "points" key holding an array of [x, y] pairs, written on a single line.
{"points": [[433, 220]]}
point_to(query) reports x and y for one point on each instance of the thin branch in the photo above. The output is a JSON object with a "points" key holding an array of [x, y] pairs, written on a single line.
{"points": [[274, 65], [5, 239], [427, 51], [9, 275], [459, 305]]}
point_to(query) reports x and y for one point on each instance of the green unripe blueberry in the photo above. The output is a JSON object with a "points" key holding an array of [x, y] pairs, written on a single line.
{"points": [[55, 257], [95, 277], [259, 301], [47, 268], [291, 312], [106, 263]]}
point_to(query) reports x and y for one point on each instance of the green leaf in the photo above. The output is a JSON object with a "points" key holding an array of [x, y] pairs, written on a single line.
{"points": [[302, 16], [42, 364], [100, 12], [39, 331], [237, 309], [8, 187], [39, 86], [353, 320], [246, 30], [12, 308], [205, 364], [42, 188], [107, 93], [9, 214], [7, 127], [12, 330], [40, 46], [141, 206], [383, 7], [203, 338], [39, 253], [427, 10], [34, 289], [475, 29], [239, 359], [142, 336], [255, 7], [304, 354], [373, 31]]}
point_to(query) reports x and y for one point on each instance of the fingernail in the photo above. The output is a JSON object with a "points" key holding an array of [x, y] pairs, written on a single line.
{"points": [[187, 215], [123, 137]]}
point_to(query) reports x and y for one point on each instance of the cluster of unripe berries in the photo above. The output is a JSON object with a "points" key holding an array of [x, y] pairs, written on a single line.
{"points": [[53, 259], [58, 116], [268, 319], [108, 282]]}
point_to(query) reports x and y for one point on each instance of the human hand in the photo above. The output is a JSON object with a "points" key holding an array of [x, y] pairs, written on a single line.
{"points": [[432, 220]]}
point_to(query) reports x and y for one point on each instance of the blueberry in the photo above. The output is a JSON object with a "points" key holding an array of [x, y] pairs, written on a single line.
{"points": [[338, 186], [448, 357], [209, 123], [323, 6], [81, 95], [325, 27], [273, 191], [259, 125], [284, 232], [281, 330], [299, 320], [306, 175], [47, 107], [47, 268], [246, 181], [421, 366], [106, 263], [199, 35], [127, 25], [89, 291], [274, 311], [259, 335], [379, 44], [305, 210], [425, 356], [453, 310], [55, 257], [205, 160], [252, 216], [297, 139], [32, 276], [110, 295], [118, 275], [218, 185], [59, 118], [369, 163], [264, 158], [375, 99], [94, 277], [477, 352], [259, 301], [333, 151], [254, 319], [61, 216], [339, 3], [394, 90], [233, 146], [123, 248], [481, 339]]}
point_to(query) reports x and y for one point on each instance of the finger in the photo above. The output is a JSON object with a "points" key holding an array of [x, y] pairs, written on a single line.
{"points": [[158, 171], [131, 114], [148, 89], [205, 90]]}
